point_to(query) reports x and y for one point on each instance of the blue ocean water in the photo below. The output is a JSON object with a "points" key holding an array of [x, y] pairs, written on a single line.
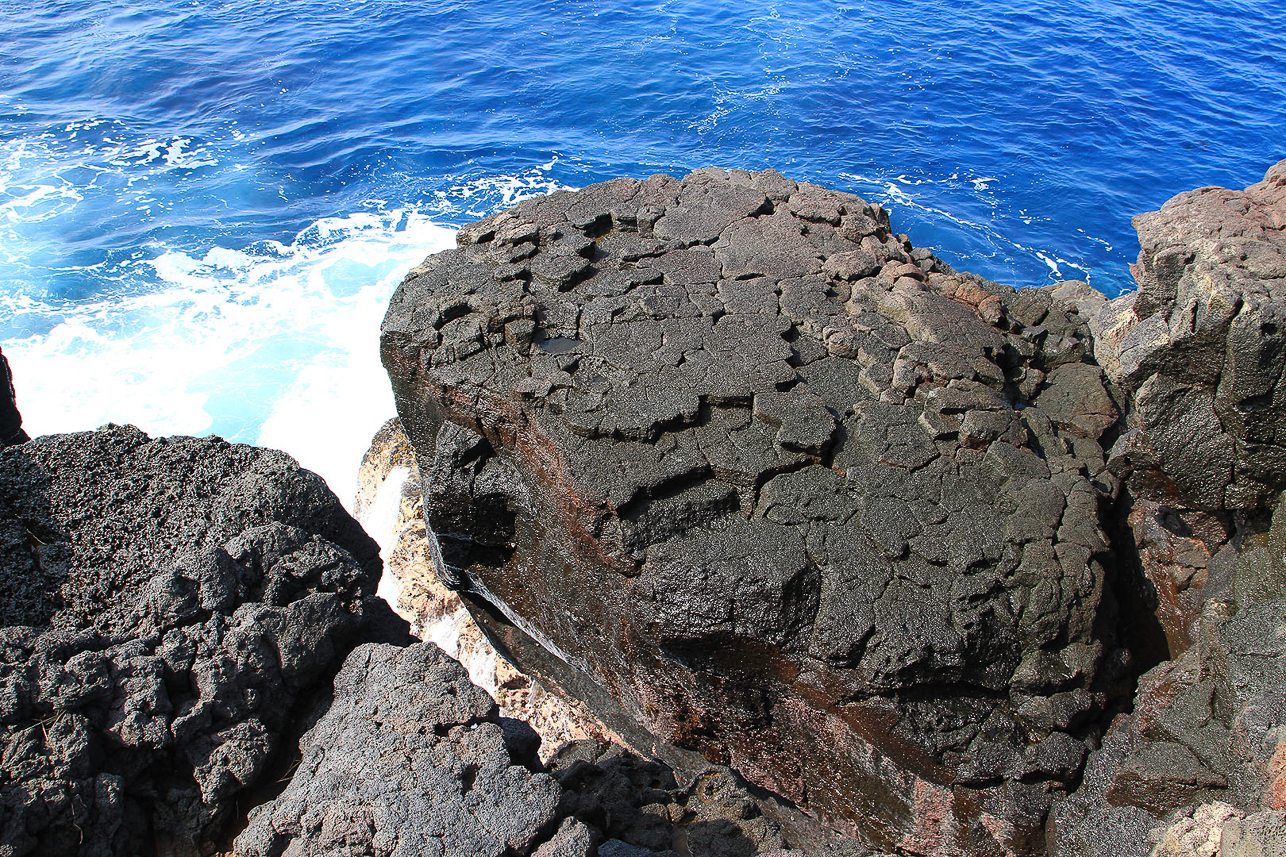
{"points": [[205, 205]]}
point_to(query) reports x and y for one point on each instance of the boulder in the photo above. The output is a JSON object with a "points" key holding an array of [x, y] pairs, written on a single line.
{"points": [[170, 607], [410, 758], [1200, 348], [764, 485]]}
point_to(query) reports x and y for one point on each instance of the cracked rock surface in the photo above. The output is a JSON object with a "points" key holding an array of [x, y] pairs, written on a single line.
{"points": [[768, 486], [170, 606]]}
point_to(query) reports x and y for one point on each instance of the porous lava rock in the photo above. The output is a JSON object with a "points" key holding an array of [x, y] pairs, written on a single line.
{"points": [[1198, 354], [764, 484], [411, 757], [170, 606]]}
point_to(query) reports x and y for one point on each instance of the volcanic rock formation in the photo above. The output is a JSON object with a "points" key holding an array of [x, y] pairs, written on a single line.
{"points": [[389, 505], [1200, 350], [766, 485], [412, 758], [172, 607]]}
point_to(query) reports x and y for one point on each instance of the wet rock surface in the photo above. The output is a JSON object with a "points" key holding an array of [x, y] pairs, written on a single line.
{"points": [[171, 607], [773, 488]]}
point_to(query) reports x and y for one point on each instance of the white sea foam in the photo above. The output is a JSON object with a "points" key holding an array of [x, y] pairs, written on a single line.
{"points": [[380, 521], [893, 193], [277, 347], [276, 344]]}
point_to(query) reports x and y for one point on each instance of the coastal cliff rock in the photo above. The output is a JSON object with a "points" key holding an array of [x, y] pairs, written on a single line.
{"points": [[172, 607], [1198, 352], [1201, 758], [1200, 348], [766, 486], [410, 758], [389, 505]]}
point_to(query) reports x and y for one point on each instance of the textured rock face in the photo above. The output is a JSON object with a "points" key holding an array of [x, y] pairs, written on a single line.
{"points": [[1200, 347], [436, 613], [170, 606], [1208, 728], [730, 458], [411, 758]]}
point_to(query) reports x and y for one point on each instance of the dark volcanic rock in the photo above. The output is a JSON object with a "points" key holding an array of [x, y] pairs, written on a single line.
{"points": [[632, 804], [1200, 347], [764, 484], [170, 606], [1199, 353], [411, 758]]}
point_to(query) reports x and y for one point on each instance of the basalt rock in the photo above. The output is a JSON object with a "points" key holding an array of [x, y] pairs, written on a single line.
{"points": [[1200, 348], [1207, 727], [767, 486], [389, 505], [410, 758], [1197, 351], [170, 607]]}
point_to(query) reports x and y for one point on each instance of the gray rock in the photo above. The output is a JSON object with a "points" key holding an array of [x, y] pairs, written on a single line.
{"points": [[639, 804], [410, 758], [171, 606], [765, 485], [1201, 346]]}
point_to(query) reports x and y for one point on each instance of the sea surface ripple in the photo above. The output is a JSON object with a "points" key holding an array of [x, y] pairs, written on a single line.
{"points": [[205, 205]]}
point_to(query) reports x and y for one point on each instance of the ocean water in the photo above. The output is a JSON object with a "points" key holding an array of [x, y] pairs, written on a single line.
{"points": [[205, 205]]}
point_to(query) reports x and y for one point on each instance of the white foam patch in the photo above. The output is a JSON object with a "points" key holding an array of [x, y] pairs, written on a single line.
{"points": [[894, 193], [379, 521], [279, 346]]}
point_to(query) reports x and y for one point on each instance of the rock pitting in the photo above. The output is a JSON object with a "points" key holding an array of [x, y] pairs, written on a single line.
{"points": [[411, 758], [729, 456], [171, 609]]}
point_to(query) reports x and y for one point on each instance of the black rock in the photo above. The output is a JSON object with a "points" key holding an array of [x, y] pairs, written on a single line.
{"points": [[410, 758], [170, 607], [766, 486]]}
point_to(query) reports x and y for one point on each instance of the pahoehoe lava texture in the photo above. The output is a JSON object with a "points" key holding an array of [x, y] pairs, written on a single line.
{"points": [[169, 607], [792, 494]]}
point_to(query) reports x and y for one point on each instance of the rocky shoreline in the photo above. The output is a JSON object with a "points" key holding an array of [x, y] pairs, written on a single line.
{"points": [[780, 537]]}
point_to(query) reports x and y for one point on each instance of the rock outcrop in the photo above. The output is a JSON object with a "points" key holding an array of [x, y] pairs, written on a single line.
{"points": [[413, 758], [389, 505], [410, 758], [172, 607], [1199, 351], [1200, 348], [769, 487]]}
